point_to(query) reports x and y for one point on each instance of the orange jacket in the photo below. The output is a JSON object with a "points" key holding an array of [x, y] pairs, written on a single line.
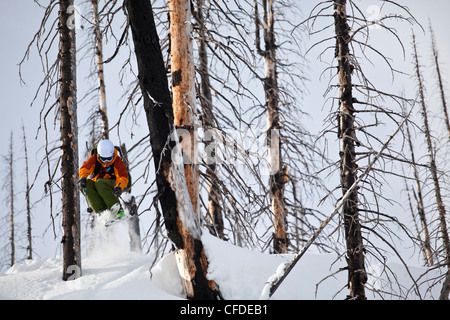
{"points": [[120, 170]]}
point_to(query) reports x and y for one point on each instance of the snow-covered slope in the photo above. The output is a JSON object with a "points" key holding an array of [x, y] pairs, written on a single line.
{"points": [[110, 271]]}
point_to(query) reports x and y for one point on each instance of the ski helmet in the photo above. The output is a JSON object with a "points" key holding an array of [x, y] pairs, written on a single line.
{"points": [[105, 149]]}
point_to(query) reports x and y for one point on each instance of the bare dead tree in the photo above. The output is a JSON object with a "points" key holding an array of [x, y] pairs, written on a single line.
{"points": [[100, 71], [434, 173], [241, 113], [418, 195], [355, 252], [177, 207], [12, 240], [278, 175], [44, 39], [215, 201], [69, 144], [274, 282], [360, 106], [440, 80], [27, 198]]}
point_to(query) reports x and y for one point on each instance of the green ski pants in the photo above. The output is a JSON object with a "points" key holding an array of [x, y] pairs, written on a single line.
{"points": [[100, 195]]}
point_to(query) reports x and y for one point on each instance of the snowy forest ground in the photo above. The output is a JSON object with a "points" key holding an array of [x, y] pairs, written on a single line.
{"points": [[111, 271]]}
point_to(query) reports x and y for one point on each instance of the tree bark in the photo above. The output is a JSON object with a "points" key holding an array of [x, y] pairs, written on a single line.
{"points": [[27, 199], [434, 174], [134, 232], [11, 201], [446, 287], [100, 72], [160, 119], [278, 173], [183, 93], [214, 196], [69, 144], [426, 247], [440, 82], [357, 276], [191, 260]]}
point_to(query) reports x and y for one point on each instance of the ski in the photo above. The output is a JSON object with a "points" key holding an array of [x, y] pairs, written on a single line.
{"points": [[112, 221], [130, 209]]}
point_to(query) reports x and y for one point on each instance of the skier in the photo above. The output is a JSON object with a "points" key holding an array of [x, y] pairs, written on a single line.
{"points": [[109, 176]]}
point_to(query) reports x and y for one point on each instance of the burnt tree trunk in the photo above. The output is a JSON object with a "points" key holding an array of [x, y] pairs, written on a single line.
{"points": [[446, 287], [426, 246], [214, 196], [440, 82], [191, 258], [100, 72], [278, 175], [27, 199], [357, 276], [11, 201], [434, 174], [183, 93], [134, 232], [69, 144], [160, 119]]}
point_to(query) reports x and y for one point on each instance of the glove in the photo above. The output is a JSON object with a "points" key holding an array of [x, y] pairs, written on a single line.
{"points": [[117, 191], [83, 183]]}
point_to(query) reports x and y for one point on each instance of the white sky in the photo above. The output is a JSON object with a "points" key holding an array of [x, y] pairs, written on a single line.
{"points": [[19, 20]]}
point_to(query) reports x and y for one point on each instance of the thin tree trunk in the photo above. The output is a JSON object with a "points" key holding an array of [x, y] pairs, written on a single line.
{"points": [[278, 176], [357, 276], [446, 287], [69, 145], [434, 174], [214, 196], [100, 73], [11, 200], [134, 232], [440, 82], [420, 206], [160, 119], [27, 199]]}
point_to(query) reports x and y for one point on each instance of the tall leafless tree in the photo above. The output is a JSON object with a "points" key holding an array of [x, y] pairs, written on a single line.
{"points": [[215, 211], [27, 198], [434, 173], [356, 121], [183, 92], [440, 81], [178, 209], [278, 176], [12, 239], [69, 143], [357, 276], [418, 195], [100, 71], [242, 110]]}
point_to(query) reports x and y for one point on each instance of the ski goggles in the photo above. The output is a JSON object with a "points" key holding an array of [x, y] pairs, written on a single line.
{"points": [[105, 159]]}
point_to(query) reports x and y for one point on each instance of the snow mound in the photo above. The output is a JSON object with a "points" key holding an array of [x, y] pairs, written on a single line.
{"points": [[111, 271]]}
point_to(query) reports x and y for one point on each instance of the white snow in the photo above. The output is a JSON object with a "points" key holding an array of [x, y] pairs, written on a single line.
{"points": [[110, 271], [177, 180]]}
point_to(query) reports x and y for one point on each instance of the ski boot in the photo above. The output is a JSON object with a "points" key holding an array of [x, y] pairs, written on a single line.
{"points": [[117, 214]]}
